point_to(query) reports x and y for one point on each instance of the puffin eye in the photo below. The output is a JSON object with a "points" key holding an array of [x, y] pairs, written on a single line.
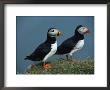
{"points": [[52, 30], [83, 27]]}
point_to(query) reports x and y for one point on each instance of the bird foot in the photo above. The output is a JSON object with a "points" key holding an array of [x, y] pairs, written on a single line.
{"points": [[47, 66]]}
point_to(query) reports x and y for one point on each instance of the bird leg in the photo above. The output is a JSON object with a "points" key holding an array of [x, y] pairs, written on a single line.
{"points": [[71, 57], [67, 57]]}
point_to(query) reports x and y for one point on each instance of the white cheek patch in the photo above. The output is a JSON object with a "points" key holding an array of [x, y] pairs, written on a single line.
{"points": [[82, 30], [53, 33]]}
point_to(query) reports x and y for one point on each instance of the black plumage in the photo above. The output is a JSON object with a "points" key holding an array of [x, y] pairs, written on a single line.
{"points": [[42, 50]]}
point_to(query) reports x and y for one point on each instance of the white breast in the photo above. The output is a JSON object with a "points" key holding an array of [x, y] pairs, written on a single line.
{"points": [[78, 46], [52, 52]]}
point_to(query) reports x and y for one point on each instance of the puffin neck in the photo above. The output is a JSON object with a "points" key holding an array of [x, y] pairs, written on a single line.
{"points": [[51, 40], [79, 36]]}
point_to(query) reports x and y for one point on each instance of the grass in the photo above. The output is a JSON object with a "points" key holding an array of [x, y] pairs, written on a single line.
{"points": [[65, 67]]}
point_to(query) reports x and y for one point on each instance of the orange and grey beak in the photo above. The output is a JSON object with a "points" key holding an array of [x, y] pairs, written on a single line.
{"points": [[87, 32], [59, 34]]}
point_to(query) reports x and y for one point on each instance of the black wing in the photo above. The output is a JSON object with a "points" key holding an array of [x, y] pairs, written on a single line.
{"points": [[40, 52], [66, 46]]}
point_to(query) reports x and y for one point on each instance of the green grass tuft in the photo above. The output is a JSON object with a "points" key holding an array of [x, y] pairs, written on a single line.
{"points": [[65, 67]]}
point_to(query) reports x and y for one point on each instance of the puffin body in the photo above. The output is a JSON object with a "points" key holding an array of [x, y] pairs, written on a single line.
{"points": [[52, 51], [46, 49], [73, 43], [77, 47]]}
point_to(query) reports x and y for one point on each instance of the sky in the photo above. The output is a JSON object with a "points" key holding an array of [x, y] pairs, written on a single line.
{"points": [[31, 31]]}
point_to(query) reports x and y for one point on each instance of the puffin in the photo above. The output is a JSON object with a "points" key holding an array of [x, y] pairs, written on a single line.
{"points": [[74, 43], [46, 49]]}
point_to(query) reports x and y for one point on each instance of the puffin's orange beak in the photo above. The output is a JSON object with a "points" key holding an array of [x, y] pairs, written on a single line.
{"points": [[87, 32], [59, 33]]}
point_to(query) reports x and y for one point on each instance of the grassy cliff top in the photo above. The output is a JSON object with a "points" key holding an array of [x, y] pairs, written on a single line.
{"points": [[64, 67]]}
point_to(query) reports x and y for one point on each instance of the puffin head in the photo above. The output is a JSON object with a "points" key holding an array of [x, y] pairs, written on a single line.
{"points": [[82, 30], [53, 32]]}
